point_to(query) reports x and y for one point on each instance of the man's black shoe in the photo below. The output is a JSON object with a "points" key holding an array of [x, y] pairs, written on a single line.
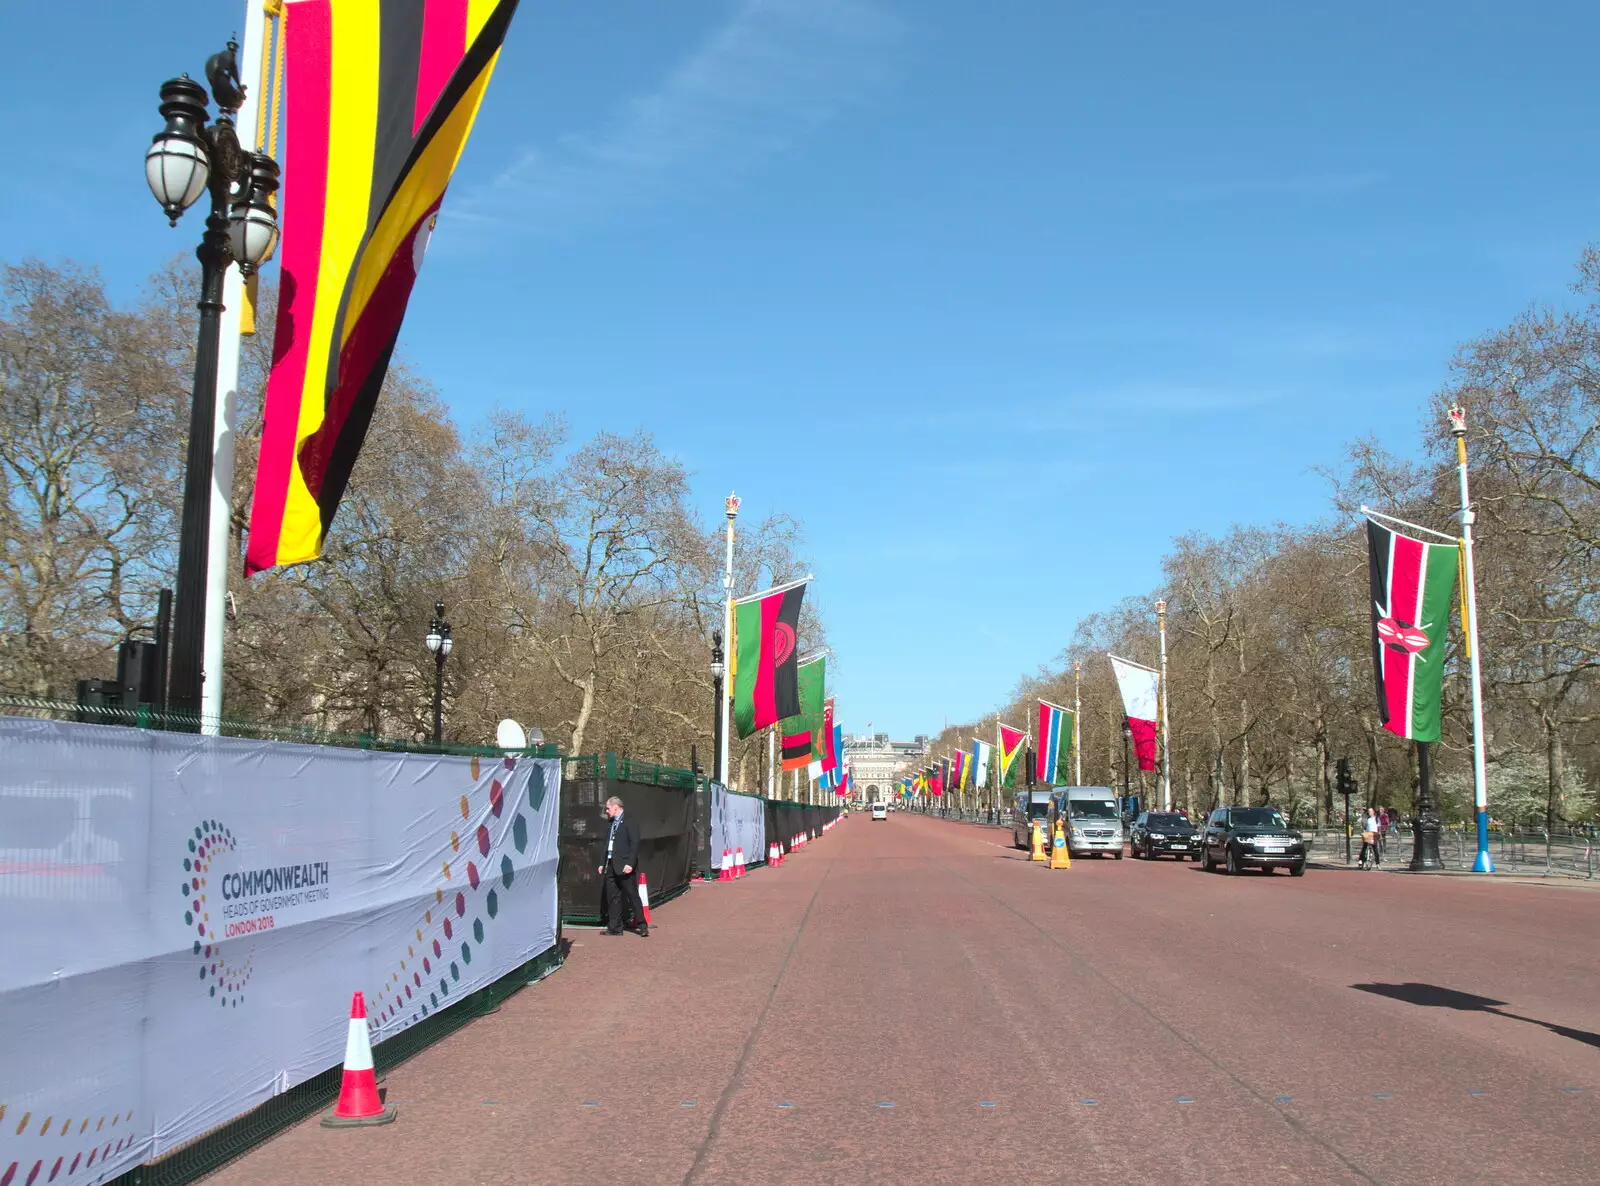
{"points": [[644, 930], [609, 931]]}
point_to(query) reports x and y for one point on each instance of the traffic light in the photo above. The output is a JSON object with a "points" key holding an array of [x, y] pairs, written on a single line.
{"points": [[1344, 783]]}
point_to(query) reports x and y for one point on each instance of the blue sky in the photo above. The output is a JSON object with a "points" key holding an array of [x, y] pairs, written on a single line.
{"points": [[1036, 279]]}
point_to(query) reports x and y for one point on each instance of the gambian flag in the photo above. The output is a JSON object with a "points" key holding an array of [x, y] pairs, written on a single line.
{"points": [[766, 685], [1141, 697], [1010, 746], [381, 95], [1412, 585], [1055, 740]]}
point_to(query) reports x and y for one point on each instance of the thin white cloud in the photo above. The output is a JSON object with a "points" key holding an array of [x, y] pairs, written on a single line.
{"points": [[1315, 185], [774, 72]]}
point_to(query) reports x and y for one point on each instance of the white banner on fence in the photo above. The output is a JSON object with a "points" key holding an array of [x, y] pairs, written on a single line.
{"points": [[737, 821], [134, 1019]]}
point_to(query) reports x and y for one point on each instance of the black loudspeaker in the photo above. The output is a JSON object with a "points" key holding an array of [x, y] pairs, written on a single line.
{"points": [[99, 701], [139, 672]]}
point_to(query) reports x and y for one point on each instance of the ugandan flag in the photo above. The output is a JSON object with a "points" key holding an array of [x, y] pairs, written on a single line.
{"points": [[1412, 585], [380, 97], [766, 674]]}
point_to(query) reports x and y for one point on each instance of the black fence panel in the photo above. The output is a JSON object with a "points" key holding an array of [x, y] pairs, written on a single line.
{"points": [[665, 817]]}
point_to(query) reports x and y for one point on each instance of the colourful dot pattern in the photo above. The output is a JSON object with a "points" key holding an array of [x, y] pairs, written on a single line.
{"points": [[224, 981], [466, 899], [48, 1169]]}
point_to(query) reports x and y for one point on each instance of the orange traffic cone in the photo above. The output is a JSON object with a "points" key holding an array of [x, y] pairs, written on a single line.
{"points": [[738, 862], [724, 873], [644, 897], [359, 1104]]}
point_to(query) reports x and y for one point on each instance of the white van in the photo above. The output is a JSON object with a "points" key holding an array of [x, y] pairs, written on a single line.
{"points": [[1093, 823]]}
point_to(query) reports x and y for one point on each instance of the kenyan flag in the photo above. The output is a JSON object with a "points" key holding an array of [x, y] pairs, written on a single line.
{"points": [[1412, 584], [765, 685]]}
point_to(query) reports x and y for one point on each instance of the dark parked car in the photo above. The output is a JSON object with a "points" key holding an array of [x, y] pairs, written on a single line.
{"points": [[1163, 834], [1239, 838]]}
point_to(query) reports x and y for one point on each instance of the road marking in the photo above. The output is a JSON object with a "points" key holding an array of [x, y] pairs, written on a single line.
{"points": [[1286, 1099], [591, 1103], [1477, 1093], [885, 1103], [987, 1104], [688, 1103], [1090, 1103], [785, 1105], [1382, 1095], [1186, 1099]]}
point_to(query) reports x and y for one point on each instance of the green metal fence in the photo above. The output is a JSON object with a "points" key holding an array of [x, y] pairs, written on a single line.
{"points": [[590, 767], [145, 717]]}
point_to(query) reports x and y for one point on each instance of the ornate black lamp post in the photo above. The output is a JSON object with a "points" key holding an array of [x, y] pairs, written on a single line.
{"points": [[187, 158], [439, 643], [718, 670], [1127, 733]]}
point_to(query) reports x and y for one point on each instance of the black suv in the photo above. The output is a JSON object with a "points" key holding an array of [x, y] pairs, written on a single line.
{"points": [[1239, 838], [1163, 834]]}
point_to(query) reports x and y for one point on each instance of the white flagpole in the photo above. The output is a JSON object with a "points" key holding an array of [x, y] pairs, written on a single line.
{"points": [[218, 560], [1166, 737], [1469, 597], [731, 507], [1077, 751], [772, 761]]}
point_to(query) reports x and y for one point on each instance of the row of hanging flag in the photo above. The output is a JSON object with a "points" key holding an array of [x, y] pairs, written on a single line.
{"points": [[1054, 742], [773, 685], [1412, 584]]}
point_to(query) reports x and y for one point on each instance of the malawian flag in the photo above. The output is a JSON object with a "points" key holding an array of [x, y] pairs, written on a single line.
{"points": [[381, 95], [1412, 584], [801, 738], [1140, 688], [982, 755], [796, 750], [1055, 741], [766, 683], [1010, 746]]}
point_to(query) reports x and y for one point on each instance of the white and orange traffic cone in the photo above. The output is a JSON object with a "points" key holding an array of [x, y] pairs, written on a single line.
{"points": [[359, 1103], [644, 897], [738, 862], [725, 872]]}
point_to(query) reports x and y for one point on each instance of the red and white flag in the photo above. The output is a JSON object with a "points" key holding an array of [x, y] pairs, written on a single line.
{"points": [[1140, 686]]}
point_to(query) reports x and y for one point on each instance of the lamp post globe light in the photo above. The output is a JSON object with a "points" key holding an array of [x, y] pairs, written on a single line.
{"points": [[191, 155], [439, 643]]}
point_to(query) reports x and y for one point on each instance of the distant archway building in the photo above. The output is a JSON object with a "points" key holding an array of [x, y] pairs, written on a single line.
{"points": [[877, 764]]}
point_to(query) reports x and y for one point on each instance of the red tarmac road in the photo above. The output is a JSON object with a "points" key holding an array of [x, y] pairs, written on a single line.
{"points": [[915, 1001]]}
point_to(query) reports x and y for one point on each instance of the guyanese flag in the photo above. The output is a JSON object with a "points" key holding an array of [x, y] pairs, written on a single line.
{"points": [[380, 97]]}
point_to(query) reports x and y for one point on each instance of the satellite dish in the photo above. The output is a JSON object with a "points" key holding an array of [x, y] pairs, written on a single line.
{"points": [[510, 735]]}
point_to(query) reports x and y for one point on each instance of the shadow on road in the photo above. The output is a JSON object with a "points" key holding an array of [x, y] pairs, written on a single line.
{"points": [[1433, 996]]}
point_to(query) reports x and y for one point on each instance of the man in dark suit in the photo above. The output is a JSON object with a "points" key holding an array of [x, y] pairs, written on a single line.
{"points": [[619, 876]]}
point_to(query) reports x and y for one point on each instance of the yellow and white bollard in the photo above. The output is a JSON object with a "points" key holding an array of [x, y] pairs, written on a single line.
{"points": [[1038, 841], [1060, 854]]}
